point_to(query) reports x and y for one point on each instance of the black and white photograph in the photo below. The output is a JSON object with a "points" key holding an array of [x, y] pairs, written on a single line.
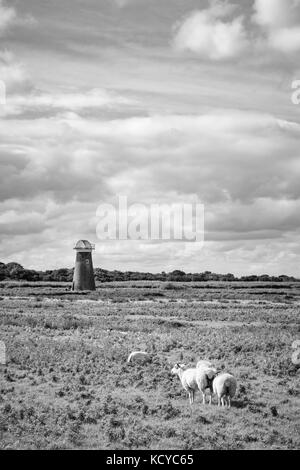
{"points": [[150, 227]]}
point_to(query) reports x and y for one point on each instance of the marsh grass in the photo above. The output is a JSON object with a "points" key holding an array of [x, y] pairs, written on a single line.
{"points": [[67, 384]]}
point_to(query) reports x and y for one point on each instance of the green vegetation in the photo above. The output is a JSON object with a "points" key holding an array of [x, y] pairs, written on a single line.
{"points": [[15, 271], [67, 384]]}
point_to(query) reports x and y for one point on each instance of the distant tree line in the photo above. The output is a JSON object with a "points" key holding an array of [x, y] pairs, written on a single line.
{"points": [[14, 271]]}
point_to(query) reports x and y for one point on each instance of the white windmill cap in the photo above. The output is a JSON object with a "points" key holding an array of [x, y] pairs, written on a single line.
{"points": [[84, 245]]}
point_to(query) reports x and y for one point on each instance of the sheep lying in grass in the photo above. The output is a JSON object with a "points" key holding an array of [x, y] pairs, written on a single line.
{"points": [[138, 356], [224, 385], [194, 379]]}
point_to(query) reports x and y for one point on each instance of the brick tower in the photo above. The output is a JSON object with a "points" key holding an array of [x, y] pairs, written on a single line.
{"points": [[83, 278]]}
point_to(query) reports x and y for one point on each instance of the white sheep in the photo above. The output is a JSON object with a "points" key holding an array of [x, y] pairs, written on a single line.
{"points": [[193, 379], [203, 363], [138, 356], [187, 378], [204, 379], [224, 385]]}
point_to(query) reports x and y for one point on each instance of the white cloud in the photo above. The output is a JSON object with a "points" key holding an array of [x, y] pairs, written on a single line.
{"points": [[280, 20], [221, 8], [76, 101], [261, 218], [7, 16], [217, 33], [71, 157], [14, 223], [63, 151], [285, 39], [277, 13], [11, 71], [207, 34], [244, 166], [122, 3]]}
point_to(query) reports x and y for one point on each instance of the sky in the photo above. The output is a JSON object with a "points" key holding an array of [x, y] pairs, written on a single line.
{"points": [[163, 101]]}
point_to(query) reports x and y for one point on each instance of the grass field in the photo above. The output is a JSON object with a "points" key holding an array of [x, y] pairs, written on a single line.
{"points": [[66, 383]]}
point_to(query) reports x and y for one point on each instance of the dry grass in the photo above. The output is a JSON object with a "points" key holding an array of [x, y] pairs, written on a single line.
{"points": [[67, 383]]}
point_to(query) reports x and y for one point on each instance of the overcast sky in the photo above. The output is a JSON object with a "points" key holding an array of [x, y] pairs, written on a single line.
{"points": [[162, 100]]}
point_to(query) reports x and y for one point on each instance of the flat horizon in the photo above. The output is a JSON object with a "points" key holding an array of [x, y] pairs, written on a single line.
{"points": [[143, 99]]}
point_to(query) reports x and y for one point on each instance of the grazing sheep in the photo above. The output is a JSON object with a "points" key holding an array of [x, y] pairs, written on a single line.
{"points": [[204, 379], [187, 378], [138, 356], [224, 385], [194, 379]]}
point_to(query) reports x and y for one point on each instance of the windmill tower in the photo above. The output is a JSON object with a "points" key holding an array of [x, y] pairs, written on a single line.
{"points": [[83, 278]]}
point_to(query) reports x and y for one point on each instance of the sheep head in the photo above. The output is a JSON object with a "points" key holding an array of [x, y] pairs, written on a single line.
{"points": [[211, 373], [177, 368]]}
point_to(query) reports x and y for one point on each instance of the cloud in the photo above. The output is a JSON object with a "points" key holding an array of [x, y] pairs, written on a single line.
{"points": [[40, 103], [77, 158], [261, 218], [122, 3], [56, 171], [64, 149], [280, 20], [207, 34], [12, 72], [218, 34], [286, 39], [276, 13], [7, 16], [14, 223]]}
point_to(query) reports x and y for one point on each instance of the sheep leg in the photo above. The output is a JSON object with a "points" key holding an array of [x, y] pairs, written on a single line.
{"points": [[219, 401], [223, 401], [192, 397], [228, 402], [203, 398], [210, 398]]}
